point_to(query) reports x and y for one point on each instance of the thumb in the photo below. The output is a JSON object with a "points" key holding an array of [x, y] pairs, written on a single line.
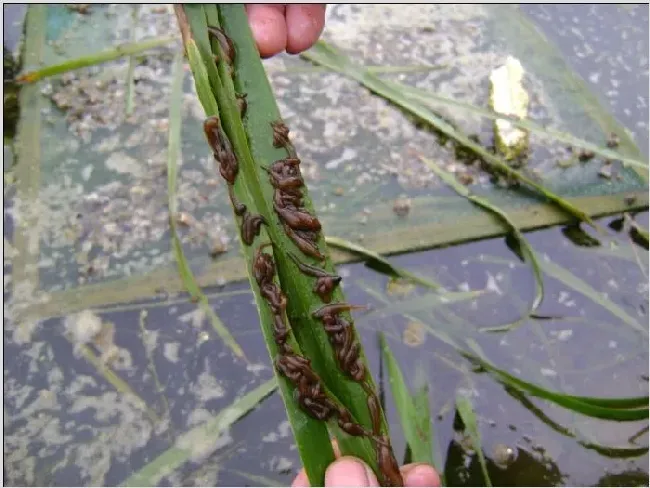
{"points": [[349, 471]]}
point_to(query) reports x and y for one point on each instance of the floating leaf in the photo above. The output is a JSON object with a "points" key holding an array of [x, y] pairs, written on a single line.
{"points": [[210, 431], [112, 54], [380, 264], [326, 55]]}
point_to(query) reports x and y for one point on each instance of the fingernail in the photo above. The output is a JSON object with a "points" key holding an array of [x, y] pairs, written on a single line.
{"points": [[421, 475], [349, 472]]}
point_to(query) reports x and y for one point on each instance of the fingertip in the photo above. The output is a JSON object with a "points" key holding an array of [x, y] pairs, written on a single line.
{"points": [[349, 471], [305, 23], [269, 28], [301, 481], [420, 475]]}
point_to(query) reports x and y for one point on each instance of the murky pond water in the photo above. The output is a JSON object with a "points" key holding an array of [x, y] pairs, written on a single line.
{"points": [[109, 368]]}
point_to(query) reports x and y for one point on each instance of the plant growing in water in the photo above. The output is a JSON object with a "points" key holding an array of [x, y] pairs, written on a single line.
{"points": [[319, 362]]}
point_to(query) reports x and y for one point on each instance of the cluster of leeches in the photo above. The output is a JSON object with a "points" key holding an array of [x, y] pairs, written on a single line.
{"points": [[303, 229]]}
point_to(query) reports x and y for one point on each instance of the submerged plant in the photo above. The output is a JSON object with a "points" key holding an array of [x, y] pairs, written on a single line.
{"points": [[319, 362]]}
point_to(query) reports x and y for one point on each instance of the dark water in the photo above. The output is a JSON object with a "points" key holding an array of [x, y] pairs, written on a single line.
{"points": [[588, 350]]}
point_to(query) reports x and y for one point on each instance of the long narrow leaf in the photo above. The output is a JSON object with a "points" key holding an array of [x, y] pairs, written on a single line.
{"points": [[326, 55], [174, 457], [94, 59], [527, 252], [562, 274], [251, 136], [379, 263], [619, 409], [416, 422], [172, 157], [423, 96]]}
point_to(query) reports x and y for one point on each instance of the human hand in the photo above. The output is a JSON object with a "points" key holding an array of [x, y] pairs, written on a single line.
{"points": [[349, 471], [291, 27]]}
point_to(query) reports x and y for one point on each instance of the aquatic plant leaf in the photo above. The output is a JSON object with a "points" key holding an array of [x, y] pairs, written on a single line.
{"points": [[209, 431], [112, 54], [116, 381], [414, 418], [427, 97], [326, 55], [173, 151], [426, 302], [619, 409], [613, 452], [380, 264], [565, 276], [525, 251], [250, 133], [466, 411]]}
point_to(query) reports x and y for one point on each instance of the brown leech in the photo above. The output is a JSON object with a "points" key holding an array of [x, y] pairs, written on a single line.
{"points": [[281, 137], [225, 43], [305, 241], [250, 227], [240, 208], [388, 467], [325, 282], [280, 133], [297, 219], [220, 145]]}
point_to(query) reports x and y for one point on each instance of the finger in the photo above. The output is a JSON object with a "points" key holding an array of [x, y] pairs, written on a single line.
{"points": [[304, 26], [269, 28], [301, 481], [349, 471], [419, 474]]}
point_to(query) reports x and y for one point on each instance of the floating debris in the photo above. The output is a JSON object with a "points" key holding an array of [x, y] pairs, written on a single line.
{"points": [[414, 335], [606, 170], [613, 140], [465, 178], [402, 206], [503, 456], [585, 155], [81, 8], [82, 328], [508, 97]]}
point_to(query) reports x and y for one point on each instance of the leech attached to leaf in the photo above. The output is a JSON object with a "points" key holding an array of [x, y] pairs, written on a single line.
{"points": [[305, 241], [280, 133], [250, 227], [334, 309], [297, 219], [222, 149], [240, 208], [325, 282], [225, 43]]}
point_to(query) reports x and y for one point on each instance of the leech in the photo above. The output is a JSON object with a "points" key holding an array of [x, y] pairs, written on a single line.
{"points": [[297, 219], [335, 309], [225, 43], [280, 133], [325, 282], [307, 246], [222, 149], [240, 208], [251, 227]]}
